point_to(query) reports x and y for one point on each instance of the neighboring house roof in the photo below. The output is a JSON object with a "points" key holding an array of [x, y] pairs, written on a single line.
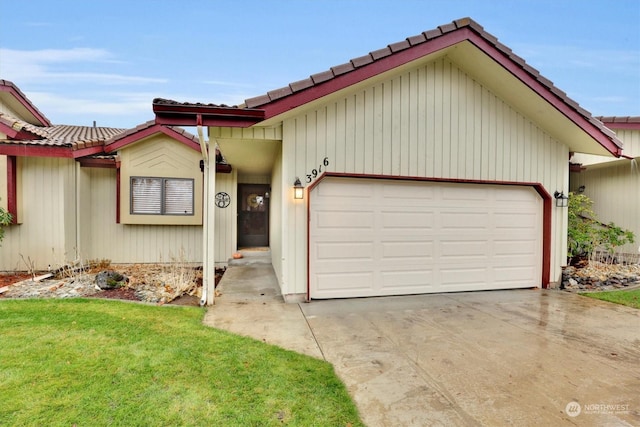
{"points": [[17, 100], [359, 69], [93, 146], [621, 122], [54, 140]]}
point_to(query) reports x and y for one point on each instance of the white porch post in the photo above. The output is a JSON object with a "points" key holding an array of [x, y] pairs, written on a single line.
{"points": [[208, 224]]}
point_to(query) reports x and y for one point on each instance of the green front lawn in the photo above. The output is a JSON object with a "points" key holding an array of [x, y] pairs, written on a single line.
{"points": [[629, 298], [98, 363]]}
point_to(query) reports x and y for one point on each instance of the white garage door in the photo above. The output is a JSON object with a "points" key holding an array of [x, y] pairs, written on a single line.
{"points": [[371, 237]]}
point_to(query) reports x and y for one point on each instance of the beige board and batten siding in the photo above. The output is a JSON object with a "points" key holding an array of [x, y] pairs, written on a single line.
{"points": [[432, 121], [159, 156], [226, 218], [104, 238], [46, 205], [614, 186], [133, 243], [631, 140]]}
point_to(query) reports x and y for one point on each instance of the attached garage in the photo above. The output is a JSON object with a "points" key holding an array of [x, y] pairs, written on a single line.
{"points": [[428, 165], [374, 237]]}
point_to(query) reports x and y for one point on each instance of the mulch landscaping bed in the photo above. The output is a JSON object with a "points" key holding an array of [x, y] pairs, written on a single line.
{"points": [[141, 277]]}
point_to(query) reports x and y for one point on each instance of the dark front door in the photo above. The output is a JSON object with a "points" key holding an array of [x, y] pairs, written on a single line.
{"points": [[253, 215]]}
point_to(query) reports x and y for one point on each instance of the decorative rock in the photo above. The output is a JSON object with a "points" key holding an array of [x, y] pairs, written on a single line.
{"points": [[110, 280]]}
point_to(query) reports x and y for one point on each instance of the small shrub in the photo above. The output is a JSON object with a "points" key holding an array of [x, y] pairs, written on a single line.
{"points": [[587, 235], [5, 220]]}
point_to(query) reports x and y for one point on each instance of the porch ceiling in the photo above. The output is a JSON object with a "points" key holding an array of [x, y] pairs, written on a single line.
{"points": [[255, 157]]}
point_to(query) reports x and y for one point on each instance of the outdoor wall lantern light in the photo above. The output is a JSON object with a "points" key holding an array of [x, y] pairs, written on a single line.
{"points": [[298, 189], [561, 200]]}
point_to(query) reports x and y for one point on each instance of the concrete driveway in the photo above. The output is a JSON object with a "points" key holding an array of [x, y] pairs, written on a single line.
{"points": [[519, 357]]}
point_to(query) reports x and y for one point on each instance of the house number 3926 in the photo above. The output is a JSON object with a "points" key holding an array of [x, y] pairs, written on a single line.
{"points": [[315, 172]]}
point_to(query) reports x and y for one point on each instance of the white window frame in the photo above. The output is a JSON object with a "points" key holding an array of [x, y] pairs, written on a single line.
{"points": [[161, 205]]}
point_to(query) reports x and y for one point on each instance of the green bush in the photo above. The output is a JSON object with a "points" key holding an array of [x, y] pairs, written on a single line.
{"points": [[5, 219], [586, 234]]}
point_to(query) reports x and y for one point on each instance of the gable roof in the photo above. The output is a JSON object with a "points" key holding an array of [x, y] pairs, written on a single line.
{"points": [[17, 100], [24, 139], [148, 129], [357, 70]]}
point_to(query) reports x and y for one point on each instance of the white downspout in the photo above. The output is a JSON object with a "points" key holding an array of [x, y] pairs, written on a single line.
{"points": [[208, 224]]}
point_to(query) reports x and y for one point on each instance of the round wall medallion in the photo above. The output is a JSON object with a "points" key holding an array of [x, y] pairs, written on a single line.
{"points": [[222, 199]]}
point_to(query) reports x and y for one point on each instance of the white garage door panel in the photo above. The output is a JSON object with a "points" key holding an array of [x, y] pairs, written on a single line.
{"points": [[345, 284], [340, 251], [380, 237]]}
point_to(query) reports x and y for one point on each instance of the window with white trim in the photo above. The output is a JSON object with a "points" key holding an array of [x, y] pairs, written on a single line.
{"points": [[161, 196]]}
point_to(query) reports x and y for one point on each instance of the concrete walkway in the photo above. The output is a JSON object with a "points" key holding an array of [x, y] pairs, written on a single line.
{"points": [[522, 357], [250, 304]]}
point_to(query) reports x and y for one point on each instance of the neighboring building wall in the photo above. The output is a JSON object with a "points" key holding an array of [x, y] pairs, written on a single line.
{"points": [[614, 188], [46, 235], [631, 148], [434, 121]]}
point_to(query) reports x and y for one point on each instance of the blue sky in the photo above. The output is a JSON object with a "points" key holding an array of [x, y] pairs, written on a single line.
{"points": [[80, 61]]}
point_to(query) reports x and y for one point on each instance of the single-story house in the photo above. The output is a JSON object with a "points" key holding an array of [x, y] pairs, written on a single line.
{"points": [[434, 164], [613, 183], [80, 193]]}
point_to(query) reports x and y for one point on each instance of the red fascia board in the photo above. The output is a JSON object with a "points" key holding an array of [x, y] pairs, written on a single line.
{"points": [[545, 92], [223, 168], [17, 134], [186, 115], [622, 126], [365, 72], [90, 151], [12, 188], [97, 163], [192, 120], [150, 131], [26, 103], [23, 150]]}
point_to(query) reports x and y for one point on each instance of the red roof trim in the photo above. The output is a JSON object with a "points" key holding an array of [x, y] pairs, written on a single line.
{"points": [[17, 134], [10, 87], [552, 95], [296, 94], [364, 72], [174, 113], [92, 162], [12, 188], [24, 150], [89, 151], [624, 122], [130, 138]]}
